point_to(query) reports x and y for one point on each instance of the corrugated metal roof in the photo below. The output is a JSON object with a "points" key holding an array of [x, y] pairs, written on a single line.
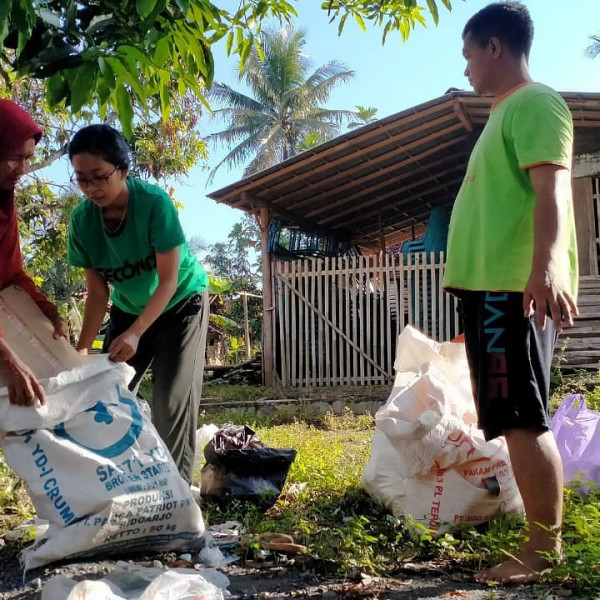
{"points": [[386, 177]]}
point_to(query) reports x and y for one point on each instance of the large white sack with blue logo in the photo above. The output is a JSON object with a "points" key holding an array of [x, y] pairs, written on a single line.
{"points": [[94, 464]]}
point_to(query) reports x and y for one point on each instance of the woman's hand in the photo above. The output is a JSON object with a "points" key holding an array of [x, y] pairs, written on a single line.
{"points": [[61, 329], [23, 386], [95, 309], [124, 347]]}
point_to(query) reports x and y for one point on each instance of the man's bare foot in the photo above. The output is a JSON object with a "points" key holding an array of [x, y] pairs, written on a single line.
{"points": [[527, 567]]}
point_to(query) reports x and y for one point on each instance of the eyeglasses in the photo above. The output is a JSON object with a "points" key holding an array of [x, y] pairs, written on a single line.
{"points": [[98, 181]]}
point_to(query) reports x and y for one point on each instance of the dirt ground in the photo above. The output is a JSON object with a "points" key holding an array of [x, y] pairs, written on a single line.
{"points": [[287, 581]]}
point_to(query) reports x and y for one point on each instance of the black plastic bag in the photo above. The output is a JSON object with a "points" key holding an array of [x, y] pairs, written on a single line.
{"points": [[239, 467]]}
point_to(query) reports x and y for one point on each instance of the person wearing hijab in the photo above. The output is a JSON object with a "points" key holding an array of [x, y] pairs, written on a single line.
{"points": [[18, 137]]}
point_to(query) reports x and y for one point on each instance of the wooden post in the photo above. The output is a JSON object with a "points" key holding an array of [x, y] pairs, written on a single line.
{"points": [[583, 207], [246, 325], [267, 285], [381, 235]]}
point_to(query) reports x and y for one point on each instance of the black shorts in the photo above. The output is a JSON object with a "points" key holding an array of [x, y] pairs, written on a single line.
{"points": [[510, 359]]}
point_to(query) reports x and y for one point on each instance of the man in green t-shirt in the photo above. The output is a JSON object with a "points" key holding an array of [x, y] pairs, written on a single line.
{"points": [[512, 261]]}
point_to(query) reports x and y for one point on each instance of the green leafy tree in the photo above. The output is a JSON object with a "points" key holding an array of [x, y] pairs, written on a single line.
{"points": [[286, 103], [392, 15], [44, 218], [161, 149], [126, 53], [234, 261], [121, 54], [364, 116]]}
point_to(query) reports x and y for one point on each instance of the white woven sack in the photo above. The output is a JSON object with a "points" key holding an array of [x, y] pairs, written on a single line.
{"points": [[428, 458], [101, 475], [441, 498]]}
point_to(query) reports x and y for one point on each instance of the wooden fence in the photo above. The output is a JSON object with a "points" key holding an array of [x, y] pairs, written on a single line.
{"points": [[336, 320], [578, 347]]}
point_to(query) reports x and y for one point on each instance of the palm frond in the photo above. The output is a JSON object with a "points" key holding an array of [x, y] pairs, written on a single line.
{"points": [[337, 116], [239, 155], [238, 116], [285, 62], [268, 156], [256, 77], [234, 133], [319, 91], [323, 128], [327, 71], [593, 49], [223, 94]]}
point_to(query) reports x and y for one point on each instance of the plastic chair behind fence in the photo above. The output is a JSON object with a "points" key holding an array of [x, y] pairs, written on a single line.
{"points": [[436, 234], [434, 240]]}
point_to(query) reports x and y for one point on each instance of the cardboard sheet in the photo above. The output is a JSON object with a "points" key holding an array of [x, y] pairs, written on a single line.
{"points": [[30, 335]]}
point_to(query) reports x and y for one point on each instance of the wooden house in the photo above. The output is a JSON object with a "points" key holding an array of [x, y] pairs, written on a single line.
{"points": [[334, 298]]}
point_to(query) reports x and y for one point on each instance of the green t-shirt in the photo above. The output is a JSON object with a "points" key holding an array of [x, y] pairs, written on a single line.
{"points": [[490, 241], [127, 260]]}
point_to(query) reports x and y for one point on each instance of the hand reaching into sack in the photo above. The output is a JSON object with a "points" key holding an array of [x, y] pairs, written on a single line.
{"points": [[23, 386]]}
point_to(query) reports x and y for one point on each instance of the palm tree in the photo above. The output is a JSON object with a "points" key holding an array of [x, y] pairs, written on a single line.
{"points": [[286, 103], [593, 48], [310, 141], [364, 116]]}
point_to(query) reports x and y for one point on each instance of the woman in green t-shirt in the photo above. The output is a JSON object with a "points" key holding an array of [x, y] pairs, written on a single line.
{"points": [[127, 237]]}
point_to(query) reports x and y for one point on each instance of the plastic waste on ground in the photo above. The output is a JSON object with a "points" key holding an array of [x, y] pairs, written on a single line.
{"points": [[136, 582], [240, 467], [27, 531], [577, 432], [429, 461], [203, 435]]}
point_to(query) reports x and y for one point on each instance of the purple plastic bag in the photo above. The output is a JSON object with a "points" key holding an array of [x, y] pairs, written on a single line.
{"points": [[577, 432]]}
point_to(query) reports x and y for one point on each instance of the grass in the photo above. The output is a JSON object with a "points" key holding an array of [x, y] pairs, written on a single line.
{"points": [[345, 530], [15, 506], [234, 393], [580, 382]]}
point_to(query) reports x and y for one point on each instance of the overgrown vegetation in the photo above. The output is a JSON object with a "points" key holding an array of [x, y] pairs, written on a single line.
{"points": [[324, 507], [15, 506], [580, 382], [345, 530], [132, 54]]}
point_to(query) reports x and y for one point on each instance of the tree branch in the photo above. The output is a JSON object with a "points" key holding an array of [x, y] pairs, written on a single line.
{"points": [[50, 159]]}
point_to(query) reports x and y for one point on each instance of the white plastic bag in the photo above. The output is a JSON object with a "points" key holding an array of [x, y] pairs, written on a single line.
{"points": [[203, 435], [64, 588], [133, 582], [177, 586], [428, 458]]}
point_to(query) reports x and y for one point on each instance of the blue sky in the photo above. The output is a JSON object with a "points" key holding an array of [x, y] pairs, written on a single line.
{"points": [[399, 75], [396, 76]]}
